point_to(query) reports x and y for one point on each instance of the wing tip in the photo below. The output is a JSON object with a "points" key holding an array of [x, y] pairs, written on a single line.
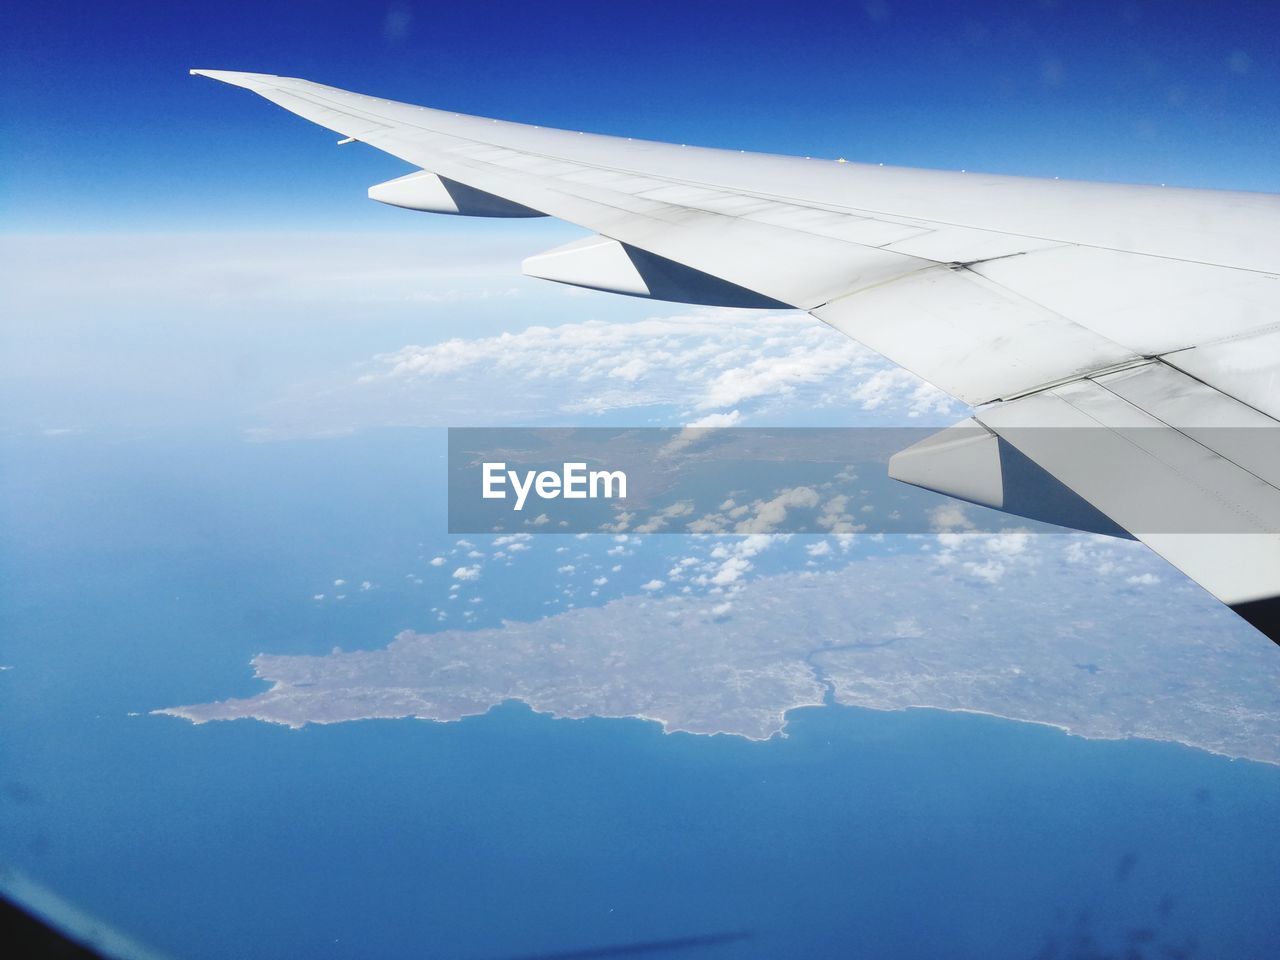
{"points": [[233, 77]]}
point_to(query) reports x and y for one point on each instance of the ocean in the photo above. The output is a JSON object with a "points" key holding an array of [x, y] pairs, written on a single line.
{"points": [[138, 576]]}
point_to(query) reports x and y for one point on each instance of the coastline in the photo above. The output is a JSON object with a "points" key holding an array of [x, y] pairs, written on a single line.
{"points": [[192, 715]]}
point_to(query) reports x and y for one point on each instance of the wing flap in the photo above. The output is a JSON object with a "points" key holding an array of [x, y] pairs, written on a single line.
{"points": [[1174, 486]]}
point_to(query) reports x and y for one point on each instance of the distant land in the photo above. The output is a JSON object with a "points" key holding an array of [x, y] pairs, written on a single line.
{"points": [[1054, 641]]}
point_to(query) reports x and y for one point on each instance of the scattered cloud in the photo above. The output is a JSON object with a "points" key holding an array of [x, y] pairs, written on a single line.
{"points": [[771, 514], [713, 367], [716, 420]]}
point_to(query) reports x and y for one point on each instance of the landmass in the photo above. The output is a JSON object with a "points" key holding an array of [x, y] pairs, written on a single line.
{"points": [[1053, 642]]}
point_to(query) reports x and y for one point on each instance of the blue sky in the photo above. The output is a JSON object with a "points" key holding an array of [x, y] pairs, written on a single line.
{"points": [[105, 130], [288, 284]]}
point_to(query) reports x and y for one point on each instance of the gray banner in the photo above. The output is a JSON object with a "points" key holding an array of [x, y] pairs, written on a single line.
{"points": [[786, 480]]}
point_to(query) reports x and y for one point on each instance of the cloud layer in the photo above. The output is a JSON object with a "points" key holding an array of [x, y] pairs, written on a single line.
{"points": [[706, 367]]}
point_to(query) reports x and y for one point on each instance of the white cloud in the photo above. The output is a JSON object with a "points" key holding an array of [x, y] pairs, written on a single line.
{"points": [[659, 520], [718, 367], [467, 573], [652, 585], [437, 561], [730, 560], [731, 570], [770, 514], [987, 556], [949, 516], [895, 387], [835, 518], [989, 570], [631, 371], [713, 420], [1007, 543]]}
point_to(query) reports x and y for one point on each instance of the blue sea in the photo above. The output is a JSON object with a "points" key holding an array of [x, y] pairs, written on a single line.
{"points": [[143, 574]]}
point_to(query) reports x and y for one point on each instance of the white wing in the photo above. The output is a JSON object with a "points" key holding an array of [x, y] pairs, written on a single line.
{"points": [[1124, 339]]}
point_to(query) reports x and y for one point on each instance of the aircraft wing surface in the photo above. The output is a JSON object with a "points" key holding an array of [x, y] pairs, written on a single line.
{"points": [[1123, 339]]}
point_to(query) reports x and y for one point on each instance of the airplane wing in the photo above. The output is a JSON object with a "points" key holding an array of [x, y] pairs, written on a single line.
{"points": [[1120, 341]]}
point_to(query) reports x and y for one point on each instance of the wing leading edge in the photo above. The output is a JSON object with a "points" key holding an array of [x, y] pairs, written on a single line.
{"points": [[1118, 337]]}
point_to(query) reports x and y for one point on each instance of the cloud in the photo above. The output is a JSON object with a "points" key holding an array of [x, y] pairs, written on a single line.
{"points": [[893, 387], [652, 585], [835, 518], [437, 561], [948, 517], [990, 571], [988, 557], [660, 519], [631, 371], [467, 573], [771, 514], [715, 367], [730, 560], [716, 420], [731, 571]]}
